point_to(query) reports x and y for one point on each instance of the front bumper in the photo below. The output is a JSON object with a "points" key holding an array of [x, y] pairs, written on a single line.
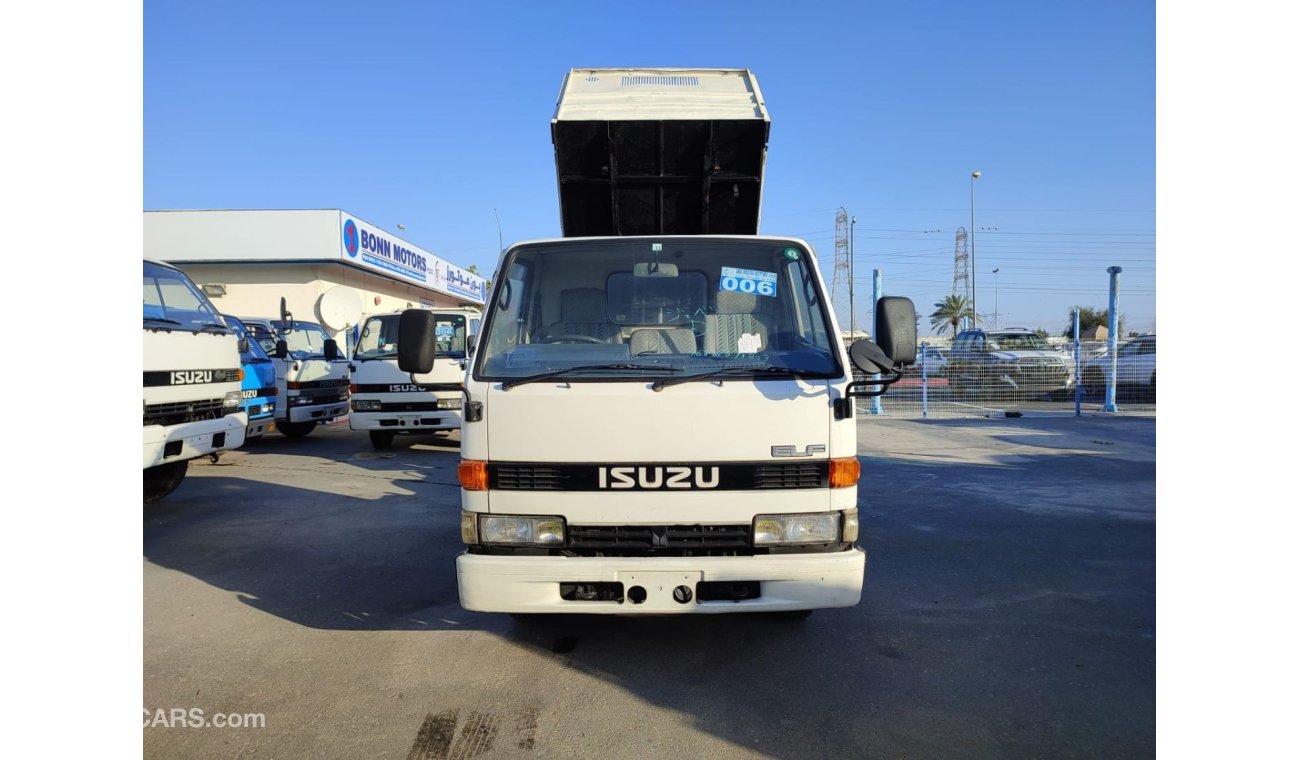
{"points": [[491, 583], [190, 440], [406, 422], [321, 413], [260, 426]]}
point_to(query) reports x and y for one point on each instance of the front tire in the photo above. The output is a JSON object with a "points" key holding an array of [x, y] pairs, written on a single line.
{"points": [[163, 479], [382, 440], [296, 429]]}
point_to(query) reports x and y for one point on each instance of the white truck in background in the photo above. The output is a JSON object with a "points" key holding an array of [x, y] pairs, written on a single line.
{"points": [[192, 380], [659, 413], [311, 374], [387, 402]]}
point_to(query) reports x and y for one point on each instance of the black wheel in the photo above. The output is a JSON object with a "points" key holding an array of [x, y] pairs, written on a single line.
{"points": [[163, 479], [296, 429], [382, 440]]}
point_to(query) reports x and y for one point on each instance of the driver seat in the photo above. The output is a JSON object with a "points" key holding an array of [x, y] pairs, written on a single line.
{"points": [[583, 312]]}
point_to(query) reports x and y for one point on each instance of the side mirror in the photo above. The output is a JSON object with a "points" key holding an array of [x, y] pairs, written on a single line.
{"points": [[416, 341], [243, 345], [868, 357], [281, 349], [331, 349], [470, 344], [286, 317], [896, 329]]}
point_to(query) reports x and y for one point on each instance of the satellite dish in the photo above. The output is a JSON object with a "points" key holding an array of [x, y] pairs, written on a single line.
{"points": [[339, 307]]}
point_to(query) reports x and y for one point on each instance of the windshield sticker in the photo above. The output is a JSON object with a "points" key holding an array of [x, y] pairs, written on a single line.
{"points": [[792, 254], [748, 281], [444, 330], [749, 343]]}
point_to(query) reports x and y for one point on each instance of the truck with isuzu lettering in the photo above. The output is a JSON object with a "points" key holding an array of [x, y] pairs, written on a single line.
{"points": [[659, 417], [311, 374], [258, 389], [191, 380], [387, 402]]}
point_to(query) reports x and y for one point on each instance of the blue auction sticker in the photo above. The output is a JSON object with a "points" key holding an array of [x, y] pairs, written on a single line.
{"points": [[351, 240], [753, 281]]}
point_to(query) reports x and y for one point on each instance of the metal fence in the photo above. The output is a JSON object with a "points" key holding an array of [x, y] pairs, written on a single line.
{"points": [[942, 386]]}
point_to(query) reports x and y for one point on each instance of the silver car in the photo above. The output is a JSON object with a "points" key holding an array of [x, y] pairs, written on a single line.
{"points": [[1135, 367]]}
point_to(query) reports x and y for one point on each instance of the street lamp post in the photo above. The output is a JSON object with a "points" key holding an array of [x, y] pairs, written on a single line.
{"points": [[974, 313], [853, 335], [997, 315]]}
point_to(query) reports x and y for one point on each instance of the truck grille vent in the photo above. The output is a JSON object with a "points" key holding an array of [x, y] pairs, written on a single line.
{"points": [[670, 81], [678, 540], [184, 411], [807, 475], [408, 406], [529, 477]]}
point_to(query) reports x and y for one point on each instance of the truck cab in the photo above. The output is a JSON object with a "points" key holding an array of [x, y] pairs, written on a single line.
{"points": [[387, 402], [311, 376], [258, 388], [191, 380], [659, 414]]}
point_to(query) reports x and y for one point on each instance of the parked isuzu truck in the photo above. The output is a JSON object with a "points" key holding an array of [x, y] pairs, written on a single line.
{"points": [[387, 402], [191, 380], [311, 375], [659, 416], [258, 389]]}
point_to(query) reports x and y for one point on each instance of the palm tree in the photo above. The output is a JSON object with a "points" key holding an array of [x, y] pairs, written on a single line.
{"points": [[949, 313]]}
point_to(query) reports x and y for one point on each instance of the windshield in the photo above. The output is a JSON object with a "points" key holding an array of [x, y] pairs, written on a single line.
{"points": [[170, 297], [379, 336], [306, 340], [1018, 342], [634, 308], [255, 351]]}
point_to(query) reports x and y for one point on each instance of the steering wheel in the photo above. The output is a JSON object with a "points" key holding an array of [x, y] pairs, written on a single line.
{"points": [[570, 338]]}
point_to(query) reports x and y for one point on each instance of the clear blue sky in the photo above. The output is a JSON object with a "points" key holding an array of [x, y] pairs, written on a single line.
{"points": [[432, 115]]}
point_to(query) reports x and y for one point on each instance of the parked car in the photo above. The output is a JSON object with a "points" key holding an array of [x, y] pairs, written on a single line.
{"points": [[1135, 367], [933, 360], [1015, 362]]}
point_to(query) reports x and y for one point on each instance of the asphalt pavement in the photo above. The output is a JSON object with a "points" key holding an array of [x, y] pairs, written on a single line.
{"points": [[1009, 611]]}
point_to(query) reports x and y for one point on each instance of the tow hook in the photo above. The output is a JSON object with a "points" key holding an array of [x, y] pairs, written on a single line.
{"points": [[214, 456]]}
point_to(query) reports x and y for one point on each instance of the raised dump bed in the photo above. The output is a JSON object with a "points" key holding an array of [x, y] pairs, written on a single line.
{"points": [[660, 152]]}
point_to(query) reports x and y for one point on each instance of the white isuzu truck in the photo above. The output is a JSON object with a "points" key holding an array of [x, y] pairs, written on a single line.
{"points": [[192, 380], [311, 374], [387, 402], [658, 417]]}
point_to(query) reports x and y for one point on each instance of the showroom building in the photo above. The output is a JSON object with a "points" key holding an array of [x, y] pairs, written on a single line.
{"points": [[330, 266]]}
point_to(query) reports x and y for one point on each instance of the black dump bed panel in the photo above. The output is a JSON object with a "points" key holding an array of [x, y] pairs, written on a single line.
{"points": [[680, 177]]}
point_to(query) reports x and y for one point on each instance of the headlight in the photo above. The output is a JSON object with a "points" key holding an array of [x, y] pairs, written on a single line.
{"points": [[812, 528], [232, 400], [518, 529], [366, 405], [301, 401], [449, 403]]}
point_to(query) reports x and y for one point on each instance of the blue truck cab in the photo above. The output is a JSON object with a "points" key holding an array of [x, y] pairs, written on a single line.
{"points": [[258, 388]]}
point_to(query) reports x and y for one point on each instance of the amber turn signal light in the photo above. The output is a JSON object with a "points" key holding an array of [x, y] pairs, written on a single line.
{"points": [[845, 472], [473, 475]]}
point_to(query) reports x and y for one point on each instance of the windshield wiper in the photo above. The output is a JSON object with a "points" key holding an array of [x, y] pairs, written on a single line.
{"points": [[212, 327], [665, 382], [384, 355], [512, 382], [161, 320]]}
